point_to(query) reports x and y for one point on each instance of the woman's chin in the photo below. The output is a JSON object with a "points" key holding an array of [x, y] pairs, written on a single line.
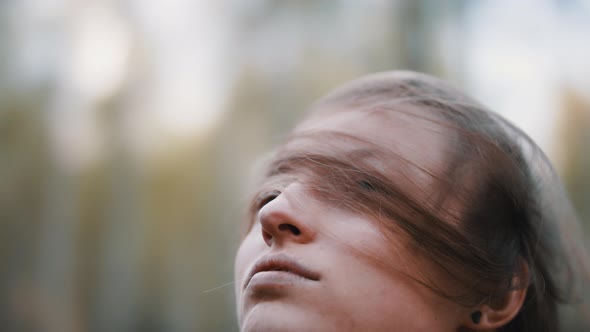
{"points": [[276, 316]]}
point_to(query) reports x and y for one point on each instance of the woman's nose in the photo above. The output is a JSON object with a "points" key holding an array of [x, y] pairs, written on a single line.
{"points": [[284, 219]]}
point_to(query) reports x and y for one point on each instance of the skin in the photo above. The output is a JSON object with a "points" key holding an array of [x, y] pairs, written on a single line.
{"points": [[365, 282]]}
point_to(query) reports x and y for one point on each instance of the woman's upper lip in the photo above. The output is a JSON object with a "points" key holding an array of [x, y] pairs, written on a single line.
{"points": [[281, 262]]}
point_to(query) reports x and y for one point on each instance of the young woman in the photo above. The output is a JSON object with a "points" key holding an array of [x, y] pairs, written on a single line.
{"points": [[400, 204]]}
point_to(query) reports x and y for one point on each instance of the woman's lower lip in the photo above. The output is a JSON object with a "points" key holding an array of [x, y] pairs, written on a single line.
{"points": [[276, 279]]}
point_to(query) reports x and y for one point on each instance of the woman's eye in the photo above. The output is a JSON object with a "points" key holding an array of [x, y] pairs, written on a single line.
{"points": [[366, 185], [266, 198]]}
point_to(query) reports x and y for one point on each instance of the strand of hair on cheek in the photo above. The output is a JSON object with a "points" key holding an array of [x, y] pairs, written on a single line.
{"points": [[221, 286]]}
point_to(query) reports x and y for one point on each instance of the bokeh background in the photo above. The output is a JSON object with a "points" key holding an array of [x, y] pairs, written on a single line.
{"points": [[130, 131]]}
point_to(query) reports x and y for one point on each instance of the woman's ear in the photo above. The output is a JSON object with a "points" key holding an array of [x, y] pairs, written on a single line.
{"points": [[500, 311]]}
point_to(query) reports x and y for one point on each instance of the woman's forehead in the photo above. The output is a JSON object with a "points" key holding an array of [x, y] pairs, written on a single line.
{"points": [[408, 131]]}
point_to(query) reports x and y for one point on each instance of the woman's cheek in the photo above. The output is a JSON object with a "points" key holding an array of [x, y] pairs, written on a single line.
{"points": [[250, 249]]}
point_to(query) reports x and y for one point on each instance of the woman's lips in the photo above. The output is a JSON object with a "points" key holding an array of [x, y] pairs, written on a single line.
{"points": [[280, 268]]}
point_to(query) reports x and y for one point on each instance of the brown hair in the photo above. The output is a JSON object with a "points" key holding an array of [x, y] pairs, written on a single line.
{"points": [[496, 203]]}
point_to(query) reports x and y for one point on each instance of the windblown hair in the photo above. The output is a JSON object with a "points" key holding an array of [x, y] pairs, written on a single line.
{"points": [[496, 204]]}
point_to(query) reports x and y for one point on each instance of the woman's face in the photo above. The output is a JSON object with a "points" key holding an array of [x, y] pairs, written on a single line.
{"points": [[309, 266]]}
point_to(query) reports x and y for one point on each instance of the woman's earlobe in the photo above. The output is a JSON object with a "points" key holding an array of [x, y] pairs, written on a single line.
{"points": [[502, 310], [476, 317]]}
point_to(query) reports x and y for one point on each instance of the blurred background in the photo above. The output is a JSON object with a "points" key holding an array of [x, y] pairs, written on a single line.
{"points": [[129, 131]]}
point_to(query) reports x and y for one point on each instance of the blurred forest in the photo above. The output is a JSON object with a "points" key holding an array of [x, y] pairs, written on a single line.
{"points": [[130, 131]]}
